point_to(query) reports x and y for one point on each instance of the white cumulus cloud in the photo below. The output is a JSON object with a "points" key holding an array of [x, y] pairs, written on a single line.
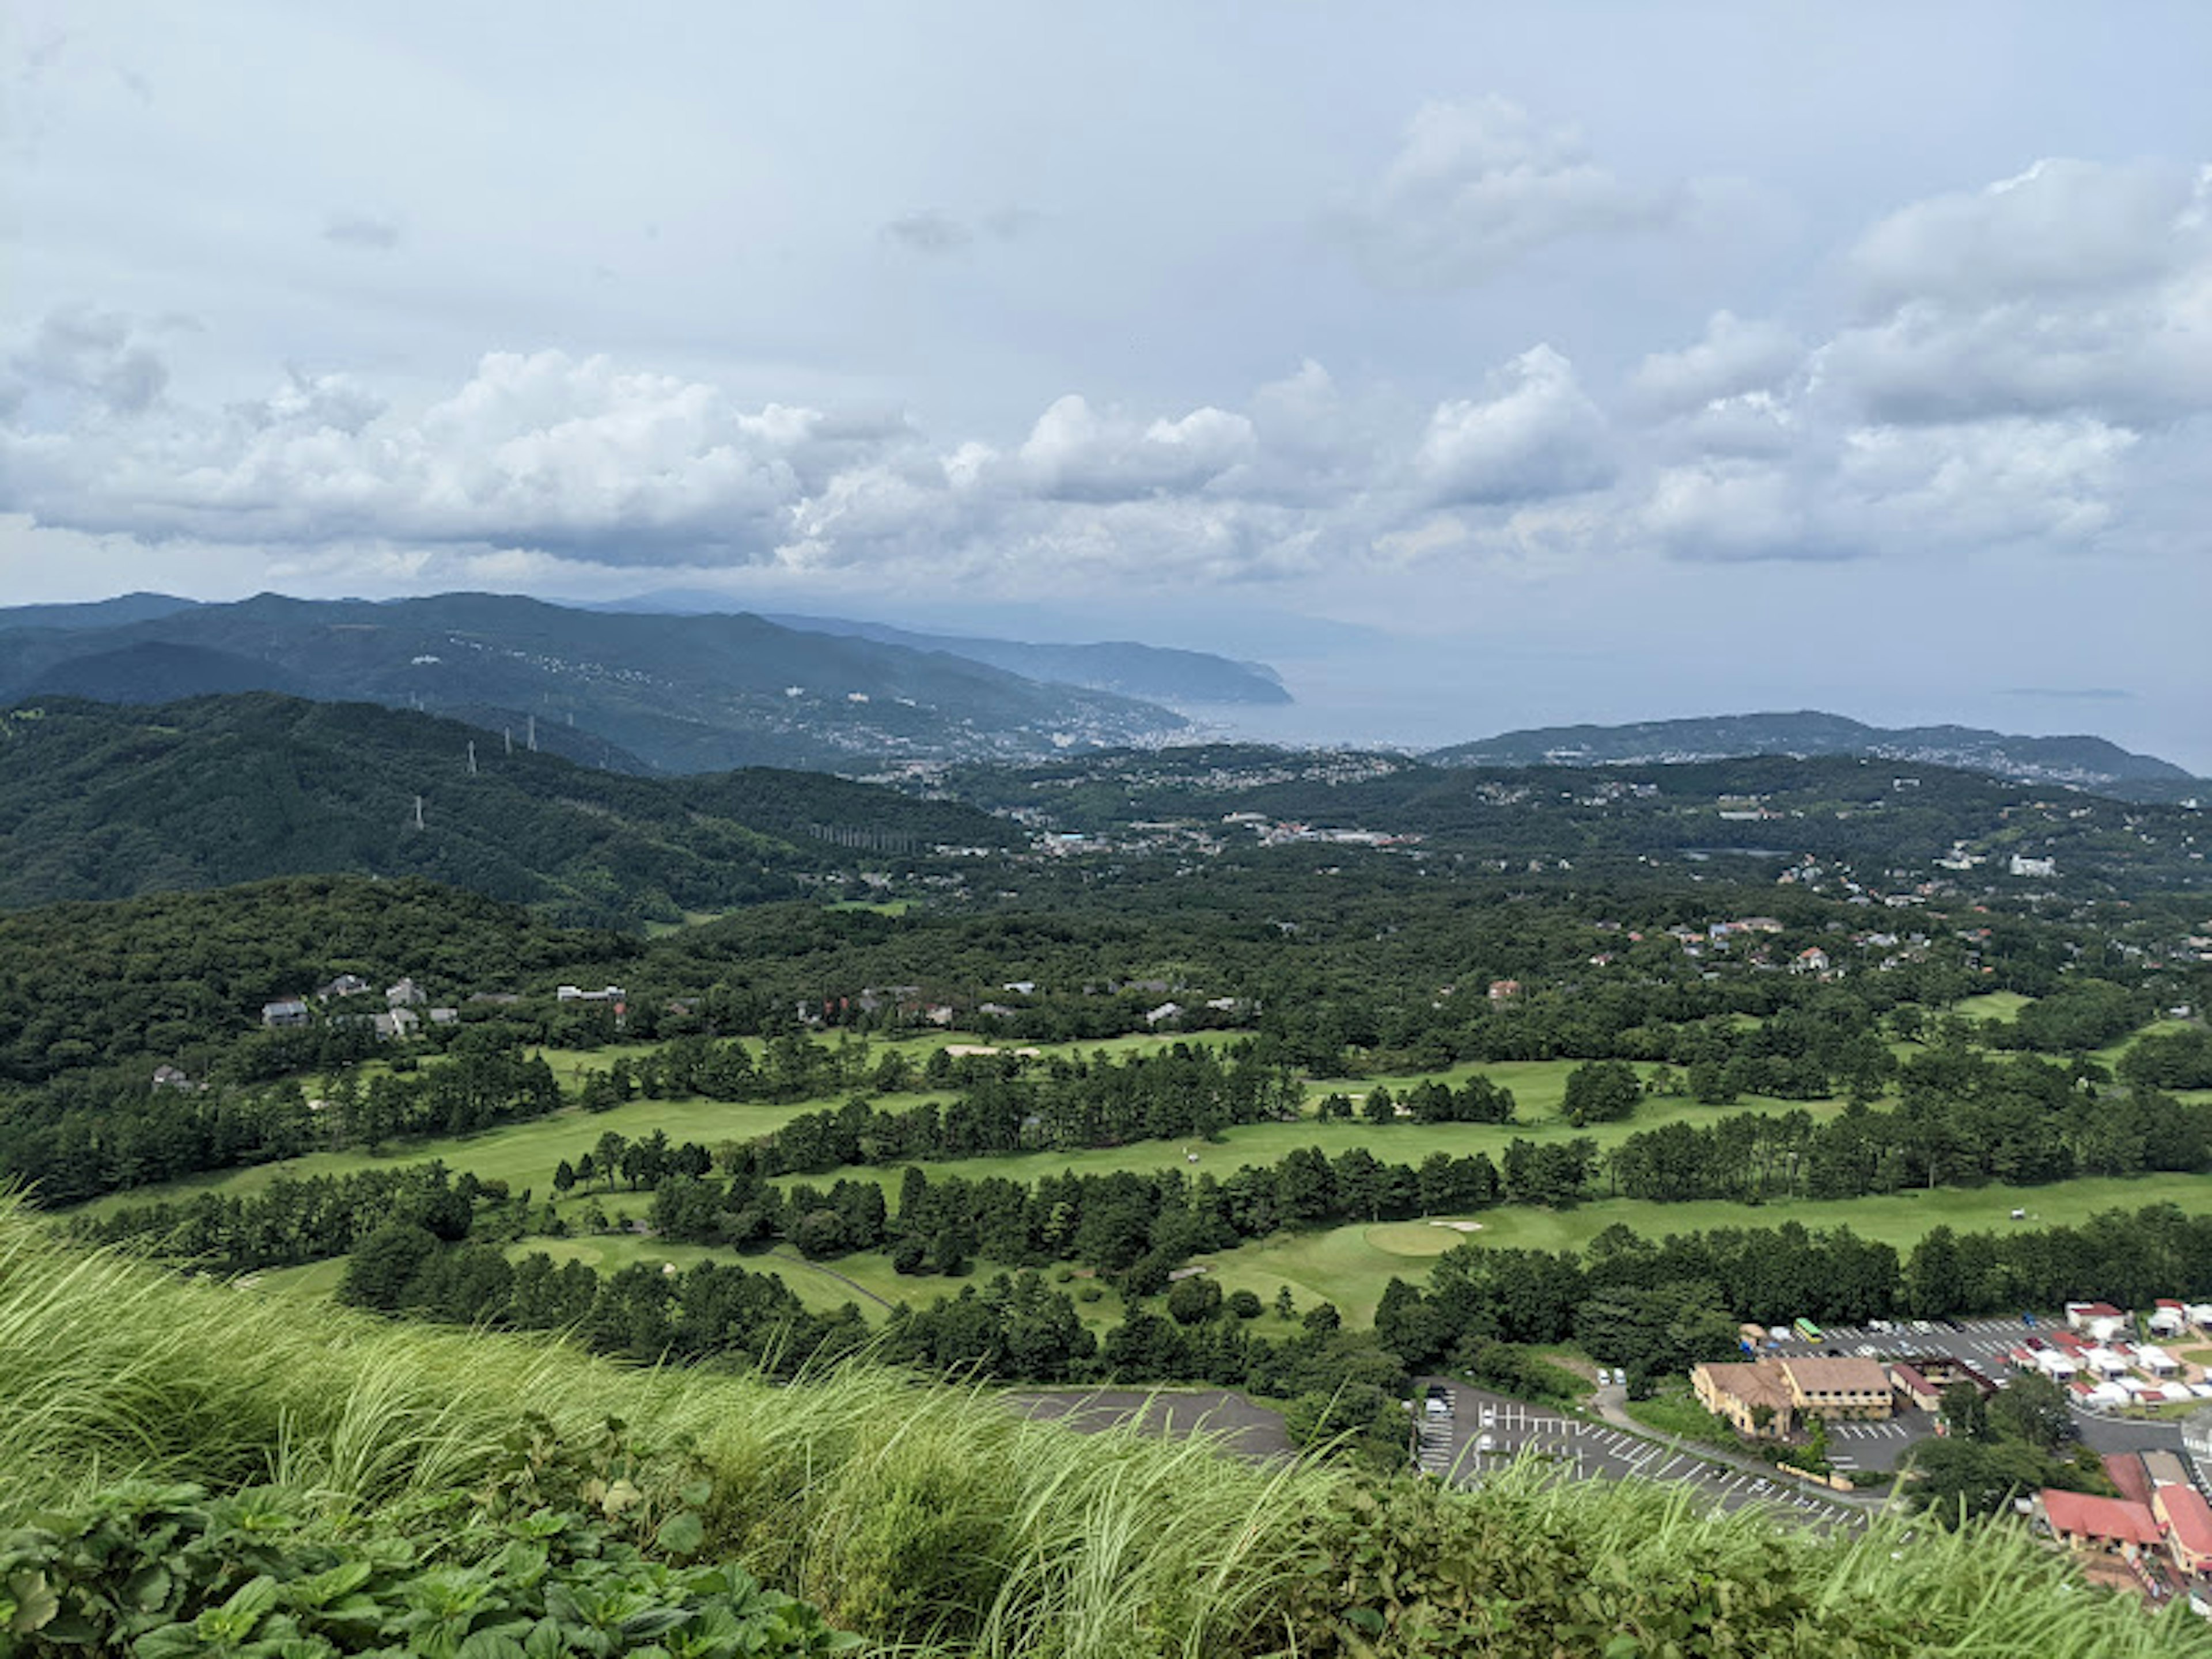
{"points": [[2072, 288], [1536, 434], [1476, 185]]}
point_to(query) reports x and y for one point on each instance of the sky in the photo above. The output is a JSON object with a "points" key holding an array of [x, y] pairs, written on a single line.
{"points": [[1478, 367]]}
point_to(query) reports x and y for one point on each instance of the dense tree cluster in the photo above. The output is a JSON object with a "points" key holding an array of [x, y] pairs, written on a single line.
{"points": [[2177, 1059], [1653, 1307], [291, 1221], [69, 1143], [1140, 1226], [1962, 1120], [1184, 1090]]}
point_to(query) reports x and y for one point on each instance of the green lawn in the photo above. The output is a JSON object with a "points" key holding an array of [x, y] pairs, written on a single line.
{"points": [[525, 1154], [823, 1286], [1351, 1265], [2004, 1005], [1536, 1084], [521, 1154], [2113, 1054]]}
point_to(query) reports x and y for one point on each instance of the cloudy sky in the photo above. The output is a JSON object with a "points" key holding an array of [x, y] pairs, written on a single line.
{"points": [[1480, 367]]}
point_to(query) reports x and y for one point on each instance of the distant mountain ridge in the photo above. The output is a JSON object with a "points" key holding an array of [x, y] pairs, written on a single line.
{"points": [[2088, 763], [677, 693], [101, 801], [96, 613], [1156, 674]]}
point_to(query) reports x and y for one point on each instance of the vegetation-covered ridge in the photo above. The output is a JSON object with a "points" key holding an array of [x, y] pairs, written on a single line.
{"points": [[930, 1516], [105, 802], [2091, 761]]}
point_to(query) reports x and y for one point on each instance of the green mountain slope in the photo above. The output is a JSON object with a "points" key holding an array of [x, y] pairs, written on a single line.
{"points": [[683, 694], [99, 613], [100, 802]]}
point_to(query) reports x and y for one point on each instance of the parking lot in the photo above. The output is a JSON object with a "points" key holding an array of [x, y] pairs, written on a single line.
{"points": [[1453, 1447], [1983, 1343]]}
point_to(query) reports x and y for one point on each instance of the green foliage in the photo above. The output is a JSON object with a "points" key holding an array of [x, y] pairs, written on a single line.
{"points": [[107, 802], [1603, 1091], [1406, 1571], [172, 1572]]}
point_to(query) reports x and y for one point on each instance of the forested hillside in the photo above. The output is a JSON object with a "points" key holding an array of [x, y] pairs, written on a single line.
{"points": [[99, 801]]}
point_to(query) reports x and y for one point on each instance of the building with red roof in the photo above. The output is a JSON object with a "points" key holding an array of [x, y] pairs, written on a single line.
{"points": [[2087, 1523], [2188, 1520], [2128, 1472]]}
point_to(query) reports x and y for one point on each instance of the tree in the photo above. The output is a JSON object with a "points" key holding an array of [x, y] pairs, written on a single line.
{"points": [[1602, 1092], [1969, 1477], [607, 1155], [2033, 1409], [378, 1274], [1195, 1300], [1283, 1306], [1965, 1415]]}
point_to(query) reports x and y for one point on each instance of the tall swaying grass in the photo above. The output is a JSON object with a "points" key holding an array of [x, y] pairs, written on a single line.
{"points": [[923, 1515], [920, 1511]]}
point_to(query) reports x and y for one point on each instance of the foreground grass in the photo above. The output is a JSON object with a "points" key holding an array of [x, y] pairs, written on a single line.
{"points": [[903, 1508], [933, 1520]]}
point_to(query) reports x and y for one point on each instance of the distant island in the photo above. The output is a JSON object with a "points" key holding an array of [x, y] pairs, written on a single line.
{"points": [[2087, 762]]}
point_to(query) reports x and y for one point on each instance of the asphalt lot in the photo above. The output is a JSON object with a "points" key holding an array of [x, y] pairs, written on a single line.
{"points": [[1452, 1447], [1251, 1430]]}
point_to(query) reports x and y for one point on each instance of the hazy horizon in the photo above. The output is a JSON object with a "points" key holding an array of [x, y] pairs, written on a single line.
{"points": [[1353, 686]]}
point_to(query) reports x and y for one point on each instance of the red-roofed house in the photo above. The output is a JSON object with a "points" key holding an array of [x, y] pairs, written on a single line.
{"points": [[2087, 1523], [2188, 1521], [2128, 1474], [1914, 1389]]}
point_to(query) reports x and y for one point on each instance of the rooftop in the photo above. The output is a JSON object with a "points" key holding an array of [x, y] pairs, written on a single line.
{"points": [[1837, 1376], [1757, 1384], [2083, 1515], [2190, 1516]]}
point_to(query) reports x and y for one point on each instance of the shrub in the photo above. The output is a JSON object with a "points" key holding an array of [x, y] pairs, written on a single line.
{"points": [[169, 1571]]}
